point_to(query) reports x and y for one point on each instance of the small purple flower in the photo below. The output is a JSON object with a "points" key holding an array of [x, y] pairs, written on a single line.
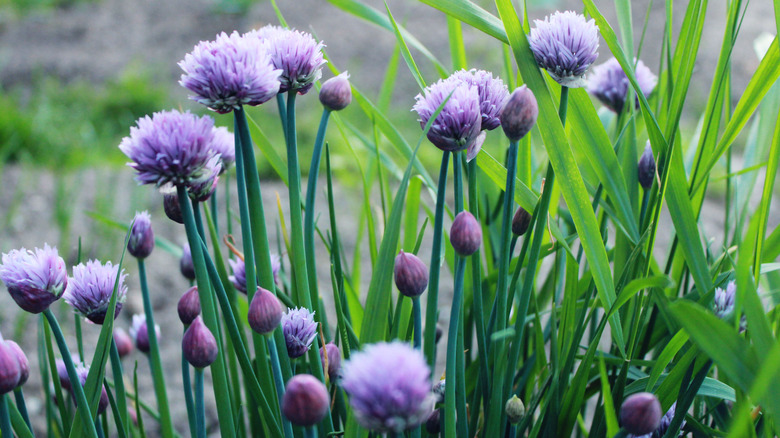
{"points": [[141, 241], [640, 413], [336, 93], [90, 288], [239, 272], [10, 369], [171, 147], [299, 329], [139, 332], [224, 144], [199, 345], [231, 71], [724, 304], [609, 83], [492, 95], [189, 305], [305, 401], [296, 53], [458, 125], [666, 421], [565, 44], [265, 312], [410, 274], [389, 387], [34, 279]]}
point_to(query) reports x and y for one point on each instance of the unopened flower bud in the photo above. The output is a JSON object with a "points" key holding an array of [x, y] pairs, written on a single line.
{"points": [[186, 266], [640, 413], [519, 113], [305, 401], [334, 359], [411, 274], [10, 371], [24, 364], [646, 168], [514, 409], [521, 221], [140, 333], [141, 241], [199, 345], [336, 93], [265, 312], [465, 234], [172, 207], [433, 423], [124, 344], [189, 305]]}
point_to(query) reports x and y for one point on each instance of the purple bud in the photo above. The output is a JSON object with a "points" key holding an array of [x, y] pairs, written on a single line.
{"points": [[433, 423], [334, 359], [640, 413], [646, 168], [124, 344], [189, 305], [140, 333], [336, 93], [465, 234], [141, 241], [300, 329], [305, 401], [265, 312], [411, 274], [10, 371], [610, 84], [186, 266], [521, 221], [24, 364], [514, 409], [172, 207], [199, 345], [519, 113], [239, 274]]}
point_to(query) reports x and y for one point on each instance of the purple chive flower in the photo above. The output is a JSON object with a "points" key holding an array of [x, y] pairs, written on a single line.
{"points": [[10, 369], [410, 274], [224, 144], [231, 71], [141, 242], [666, 421], [519, 113], [336, 93], [202, 189], [389, 387], [139, 332], [492, 95], [171, 147], [265, 312], [305, 401], [199, 345], [565, 44], [459, 124], [189, 305], [34, 279], [296, 53], [172, 207], [299, 329], [646, 168], [24, 363], [465, 234], [724, 304], [239, 272], [186, 265], [609, 83], [640, 413], [333, 353], [124, 344], [89, 290]]}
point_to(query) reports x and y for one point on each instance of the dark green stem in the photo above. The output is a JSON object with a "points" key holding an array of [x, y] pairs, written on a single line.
{"points": [[200, 406], [282, 113], [116, 368], [5, 419], [288, 432], [189, 401], [417, 314], [22, 406]]}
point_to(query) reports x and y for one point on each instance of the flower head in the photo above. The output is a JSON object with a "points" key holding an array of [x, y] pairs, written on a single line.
{"points": [[124, 344], [724, 300], [265, 312], [465, 234], [171, 147], [189, 305], [139, 332], [389, 387], [336, 93], [199, 345], [239, 271], [609, 83], [299, 329], [565, 44], [10, 368], [34, 279], [296, 53], [640, 413], [231, 71], [141, 241], [411, 274], [186, 266], [646, 168], [172, 207], [224, 144], [521, 221], [492, 94], [458, 125], [89, 290], [519, 113], [666, 421], [333, 354], [305, 401], [201, 189]]}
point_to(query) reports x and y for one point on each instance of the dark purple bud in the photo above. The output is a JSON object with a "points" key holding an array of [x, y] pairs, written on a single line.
{"points": [[521, 221], [172, 207], [10, 371], [514, 410], [141, 241], [519, 113], [646, 168], [411, 274], [186, 266], [124, 344], [139, 331], [265, 312], [334, 359], [640, 413], [336, 93], [24, 364], [433, 423], [189, 305], [305, 401], [199, 345], [465, 234]]}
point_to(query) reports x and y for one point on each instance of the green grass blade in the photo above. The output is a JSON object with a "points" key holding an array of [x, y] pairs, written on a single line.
{"points": [[278, 164], [496, 172], [471, 14], [405, 50]]}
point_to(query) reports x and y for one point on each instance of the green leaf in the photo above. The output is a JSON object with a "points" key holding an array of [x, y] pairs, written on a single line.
{"points": [[278, 164], [471, 14], [659, 281], [494, 170], [405, 50]]}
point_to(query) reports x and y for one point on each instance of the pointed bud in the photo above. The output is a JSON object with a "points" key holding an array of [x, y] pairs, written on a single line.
{"points": [[519, 113], [10, 371], [411, 274], [305, 401], [186, 266], [433, 423], [24, 364], [141, 241], [199, 345], [124, 344], [172, 207], [189, 305], [521, 221], [640, 413], [465, 234], [336, 94], [139, 331], [514, 409], [334, 359], [265, 312], [646, 168]]}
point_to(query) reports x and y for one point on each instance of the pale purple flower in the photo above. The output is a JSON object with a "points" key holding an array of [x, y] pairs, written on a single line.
{"points": [[389, 387], [34, 279], [458, 125], [141, 241], [171, 147], [565, 44], [666, 421], [139, 332], [90, 288], [239, 272], [224, 144], [609, 83], [492, 95], [231, 71], [299, 329], [296, 53], [724, 304]]}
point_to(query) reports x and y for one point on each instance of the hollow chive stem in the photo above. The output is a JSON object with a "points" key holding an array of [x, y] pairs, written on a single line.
{"points": [[417, 314], [158, 378], [189, 401], [429, 342], [200, 406], [288, 432], [119, 385], [282, 113], [5, 419], [78, 390]]}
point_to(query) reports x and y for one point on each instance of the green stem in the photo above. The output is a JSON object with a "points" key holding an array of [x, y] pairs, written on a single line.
{"points": [[214, 210], [309, 432], [78, 390], [22, 406], [417, 312], [5, 419], [282, 113], [189, 401], [200, 406], [288, 432], [155, 363], [116, 368]]}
